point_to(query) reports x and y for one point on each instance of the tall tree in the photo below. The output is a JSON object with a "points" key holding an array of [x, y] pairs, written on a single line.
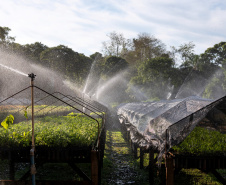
{"points": [[60, 58], [5, 39], [215, 88], [154, 75], [114, 65], [18, 48], [146, 47], [33, 51], [96, 56], [98, 62], [186, 55], [215, 54], [82, 66], [116, 46]]}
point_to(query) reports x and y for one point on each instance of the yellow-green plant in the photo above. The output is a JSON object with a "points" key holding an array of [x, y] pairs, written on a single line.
{"points": [[202, 141], [76, 130], [7, 121]]}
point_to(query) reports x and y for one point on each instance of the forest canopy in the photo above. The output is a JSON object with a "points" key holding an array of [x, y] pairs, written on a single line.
{"points": [[148, 70]]}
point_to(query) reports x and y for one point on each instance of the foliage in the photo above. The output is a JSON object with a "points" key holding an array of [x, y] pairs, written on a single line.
{"points": [[66, 61], [21, 112], [114, 105], [113, 65], [57, 57], [5, 39], [62, 131], [97, 113], [202, 141], [152, 99], [215, 54], [195, 176], [120, 53], [154, 77], [8, 121], [116, 46], [33, 51], [147, 47], [186, 53], [214, 89]]}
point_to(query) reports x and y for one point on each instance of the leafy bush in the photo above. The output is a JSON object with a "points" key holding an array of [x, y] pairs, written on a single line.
{"points": [[202, 141], [52, 131]]}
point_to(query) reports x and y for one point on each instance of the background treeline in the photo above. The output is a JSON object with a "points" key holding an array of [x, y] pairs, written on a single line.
{"points": [[148, 69]]}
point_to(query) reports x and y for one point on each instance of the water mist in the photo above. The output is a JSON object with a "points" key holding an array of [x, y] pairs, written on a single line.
{"points": [[13, 72], [195, 84]]}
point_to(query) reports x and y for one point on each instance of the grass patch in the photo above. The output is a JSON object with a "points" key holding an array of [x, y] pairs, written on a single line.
{"points": [[120, 166]]}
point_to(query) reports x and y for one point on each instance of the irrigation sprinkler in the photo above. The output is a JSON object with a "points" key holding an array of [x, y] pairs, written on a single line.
{"points": [[32, 151]]}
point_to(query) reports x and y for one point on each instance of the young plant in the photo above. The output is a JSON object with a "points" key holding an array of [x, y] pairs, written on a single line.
{"points": [[7, 121], [202, 141]]}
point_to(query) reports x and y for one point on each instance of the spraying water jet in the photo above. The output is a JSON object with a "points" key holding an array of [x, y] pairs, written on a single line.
{"points": [[14, 70]]}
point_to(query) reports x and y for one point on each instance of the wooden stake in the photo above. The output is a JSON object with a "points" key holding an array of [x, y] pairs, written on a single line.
{"points": [[151, 166], [94, 167], [141, 158], [169, 171]]}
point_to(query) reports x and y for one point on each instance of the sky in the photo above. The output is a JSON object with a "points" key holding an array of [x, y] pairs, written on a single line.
{"points": [[83, 25]]}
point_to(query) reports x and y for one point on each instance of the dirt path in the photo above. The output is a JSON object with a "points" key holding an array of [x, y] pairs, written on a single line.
{"points": [[120, 166]]}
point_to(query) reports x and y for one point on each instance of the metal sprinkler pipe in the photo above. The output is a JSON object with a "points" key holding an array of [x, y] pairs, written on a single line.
{"points": [[32, 76], [32, 151]]}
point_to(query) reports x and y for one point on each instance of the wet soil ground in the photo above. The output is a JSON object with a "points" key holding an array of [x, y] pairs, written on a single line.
{"points": [[120, 166]]}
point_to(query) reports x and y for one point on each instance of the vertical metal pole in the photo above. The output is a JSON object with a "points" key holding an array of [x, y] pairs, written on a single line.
{"points": [[168, 163], [32, 151], [32, 112]]}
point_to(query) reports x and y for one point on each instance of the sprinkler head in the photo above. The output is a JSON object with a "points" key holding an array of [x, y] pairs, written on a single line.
{"points": [[32, 76]]}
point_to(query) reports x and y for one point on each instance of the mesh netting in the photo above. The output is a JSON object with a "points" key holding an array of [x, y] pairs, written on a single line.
{"points": [[50, 108], [167, 122]]}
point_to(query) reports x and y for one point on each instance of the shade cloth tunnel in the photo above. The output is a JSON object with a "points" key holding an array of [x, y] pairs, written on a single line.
{"points": [[155, 125]]}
